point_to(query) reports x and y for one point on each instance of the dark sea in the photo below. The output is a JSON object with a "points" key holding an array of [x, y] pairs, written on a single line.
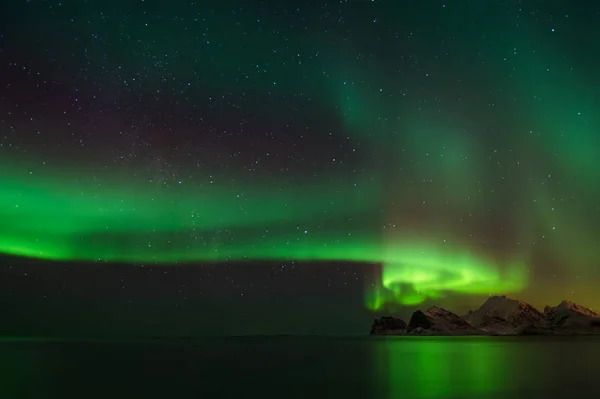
{"points": [[302, 367]]}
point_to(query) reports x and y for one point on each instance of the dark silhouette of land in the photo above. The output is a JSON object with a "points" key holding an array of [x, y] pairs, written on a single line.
{"points": [[499, 315]]}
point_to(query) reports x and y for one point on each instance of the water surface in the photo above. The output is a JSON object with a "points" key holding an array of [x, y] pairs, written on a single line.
{"points": [[293, 367]]}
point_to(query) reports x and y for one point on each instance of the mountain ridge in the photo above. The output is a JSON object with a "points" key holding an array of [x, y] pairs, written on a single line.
{"points": [[498, 315]]}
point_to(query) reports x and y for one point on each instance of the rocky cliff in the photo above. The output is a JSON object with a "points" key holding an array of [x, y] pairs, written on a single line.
{"points": [[502, 315], [498, 315], [438, 321], [388, 325]]}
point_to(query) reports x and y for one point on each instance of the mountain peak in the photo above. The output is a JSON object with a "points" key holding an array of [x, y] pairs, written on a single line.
{"points": [[503, 310], [570, 305], [499, 315], [565, 303], [437, 310], [440, 321]]}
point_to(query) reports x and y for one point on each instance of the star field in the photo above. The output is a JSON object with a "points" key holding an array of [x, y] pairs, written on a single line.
{"points": [[254, 157]]}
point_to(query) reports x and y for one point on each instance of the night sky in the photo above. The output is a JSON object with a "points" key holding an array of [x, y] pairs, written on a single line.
{"points": [[256, 167]]}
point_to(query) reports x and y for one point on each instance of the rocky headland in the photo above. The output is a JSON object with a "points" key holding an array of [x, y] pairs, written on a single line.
{"points": [[499, 315]]}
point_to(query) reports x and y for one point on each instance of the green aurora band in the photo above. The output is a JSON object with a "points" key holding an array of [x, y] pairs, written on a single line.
{"points": [[60, 215], [69, 220]]}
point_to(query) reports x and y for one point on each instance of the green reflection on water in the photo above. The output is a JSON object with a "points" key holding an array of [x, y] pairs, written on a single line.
{"points": [[424, 368]]}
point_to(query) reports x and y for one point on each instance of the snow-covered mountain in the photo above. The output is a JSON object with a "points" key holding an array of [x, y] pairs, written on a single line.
{"points": [[438, 321], [568, 307], [498, 315], [568, 316], [503, 315]]}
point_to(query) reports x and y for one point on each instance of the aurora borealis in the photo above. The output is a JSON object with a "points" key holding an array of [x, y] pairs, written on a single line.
{"points": [[449, 148], [115, 224]]}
